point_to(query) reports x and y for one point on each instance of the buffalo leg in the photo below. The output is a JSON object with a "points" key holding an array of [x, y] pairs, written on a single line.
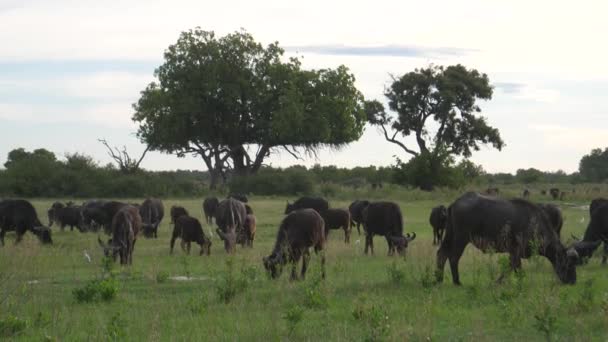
{"points": [[188, 244], [305, 259], [358, 230], [172, 244], [454, 257], [183, 245], [2, 232], [295, 259], [435, 233], [346, 234], [605, 257], [369, 243], [391, 248]]}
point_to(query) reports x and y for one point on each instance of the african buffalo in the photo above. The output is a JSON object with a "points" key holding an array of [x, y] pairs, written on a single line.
{"points": [[337, 219], [438, 220], [126, 225], [356, 212], [246, 236], [190, 230], [299, 231], [65, 216], [526, 194], [317, 203], [554, 214], [20, 216], [176, 212], [102, 212], [554, 192], [385, 218], [152, 212], [209, 208], [231, 214], [516, 226], [597, 231]]}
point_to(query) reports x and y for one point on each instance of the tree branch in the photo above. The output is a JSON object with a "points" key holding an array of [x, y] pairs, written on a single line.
{"points": [[397, 142]]}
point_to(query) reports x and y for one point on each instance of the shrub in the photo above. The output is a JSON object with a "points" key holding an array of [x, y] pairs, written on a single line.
{"points": [[376, 320], [395, 274], [315, 296], [228, 284], [96, 290], [12, 325], [293, 316]]}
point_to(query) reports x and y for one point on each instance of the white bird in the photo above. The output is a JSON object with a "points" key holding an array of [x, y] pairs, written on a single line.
{"points": [[87, 256]]}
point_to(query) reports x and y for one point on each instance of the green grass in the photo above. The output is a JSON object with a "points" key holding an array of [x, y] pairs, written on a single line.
{"points": [[362, 298]]}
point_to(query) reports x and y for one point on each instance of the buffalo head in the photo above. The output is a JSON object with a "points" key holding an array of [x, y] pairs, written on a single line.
{"points": [[229, 238], [585, 249], [109, 249], [565, 267], [273, 265], [44, 234], [401, 242]]}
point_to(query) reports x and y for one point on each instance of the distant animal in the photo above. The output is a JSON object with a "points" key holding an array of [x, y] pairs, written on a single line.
{"points": [[526, 194], [246, 236], [230, 219], [492, 191], [543, 192], [438, 220], [299, 230], [102, 212], [317, 203], [20, 216], [176, 212], [88, 212], [239, 197], [209, 208], [554, 192], [189, 230], [337, 219], [126, 225], [597, 231], [152, 212], [65, 216], [516, 226], [376, 185], [554, 214], [562, 195], [356, 212], [385, 218]]}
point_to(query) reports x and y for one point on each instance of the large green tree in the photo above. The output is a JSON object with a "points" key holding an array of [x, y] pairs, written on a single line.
{"points": [[233, 102], [593, 167], [437, 106]]}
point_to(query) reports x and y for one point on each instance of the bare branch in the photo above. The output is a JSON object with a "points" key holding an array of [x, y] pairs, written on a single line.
{"points": [[396, 142]]}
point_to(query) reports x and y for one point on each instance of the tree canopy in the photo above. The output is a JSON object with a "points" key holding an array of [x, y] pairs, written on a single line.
{"points": [[438, 107], [233, 102], [593, 167]]}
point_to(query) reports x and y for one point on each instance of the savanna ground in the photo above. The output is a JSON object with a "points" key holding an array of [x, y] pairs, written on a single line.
{"points": [[180, 297]]}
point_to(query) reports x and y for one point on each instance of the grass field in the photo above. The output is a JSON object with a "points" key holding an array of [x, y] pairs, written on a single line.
{"points": [[363, 297]]}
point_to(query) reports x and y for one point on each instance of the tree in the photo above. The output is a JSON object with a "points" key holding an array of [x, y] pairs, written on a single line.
{"points": [[126, 164], [528, 176], [446, 95], [233, 102], [593, 167]]}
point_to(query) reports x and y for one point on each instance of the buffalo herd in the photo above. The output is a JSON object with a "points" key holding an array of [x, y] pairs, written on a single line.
{"points": [[516, 226]]}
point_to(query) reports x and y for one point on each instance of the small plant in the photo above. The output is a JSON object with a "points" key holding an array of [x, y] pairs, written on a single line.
{"points": [[12, 325], [314, 294], [427, 278], [395, 274], [185, 265], [545, 321], [116, 328], [293, 316], [229, 285], [198, 306], [375, 319], [96, 290], [250, 273], [585, 301], [162, 277]]}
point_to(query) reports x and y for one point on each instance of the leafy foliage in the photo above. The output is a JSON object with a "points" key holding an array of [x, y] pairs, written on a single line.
{"points": [[593, 167]]}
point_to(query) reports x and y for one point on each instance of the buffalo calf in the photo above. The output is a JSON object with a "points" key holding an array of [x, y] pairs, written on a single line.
{"points": [[189, 229], [337, 219]]}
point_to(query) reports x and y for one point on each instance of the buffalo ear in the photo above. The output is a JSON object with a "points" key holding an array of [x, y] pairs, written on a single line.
{"points": [[410, 237]]}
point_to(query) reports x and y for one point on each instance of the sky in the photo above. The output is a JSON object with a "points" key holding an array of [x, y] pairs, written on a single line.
{"points": [[71, 69]]}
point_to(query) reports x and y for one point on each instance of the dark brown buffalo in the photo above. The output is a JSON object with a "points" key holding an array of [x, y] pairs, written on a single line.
{"points": [[554, 192], [597, 231], [438, 220], [356, 212], [101, 212], [298, 231], [317, 203], [189, 230], [152, 212], [385, 218], [209, 208], [65, 216], [230, 219], [337, 219], [554, 214], [126, 225], [247, 235], [516, 226], [20, 216], [176, 212], [526, 194]]}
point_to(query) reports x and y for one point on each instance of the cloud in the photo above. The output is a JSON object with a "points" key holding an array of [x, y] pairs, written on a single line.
{"points": [[382, 50], [509, 87]]}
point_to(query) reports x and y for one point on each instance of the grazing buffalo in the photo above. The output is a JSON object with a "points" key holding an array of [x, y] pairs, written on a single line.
{"points": [[20, 216], [337, 219], [152, 212], [356, 212], [176, 212], [190, 230], [246, 236], [65, 216], [317, 203], [438, 220], [385, 218], [239, 197], [554, 214], [492, 191], [231, 214], [299, 231], [554, 192], [516, 226], [597, 231], [126, 225], [526, 194], [102, 212], [209, 208]]}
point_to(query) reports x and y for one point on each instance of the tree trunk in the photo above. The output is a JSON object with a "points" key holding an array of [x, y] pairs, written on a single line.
{"points": [[215, 178]]}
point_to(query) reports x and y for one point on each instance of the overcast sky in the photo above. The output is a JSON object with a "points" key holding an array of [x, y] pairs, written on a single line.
{"points": [[70, 69]]}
